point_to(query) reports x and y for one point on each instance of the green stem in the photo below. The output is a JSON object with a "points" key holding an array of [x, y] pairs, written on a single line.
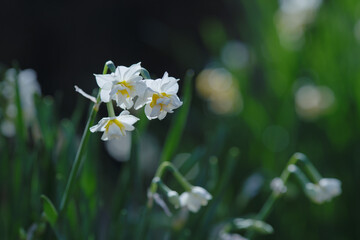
{"points": [[79, 155], [309, 167], [110, 108], [19, 118], [269, 204], [153, 188], [169, 166]]}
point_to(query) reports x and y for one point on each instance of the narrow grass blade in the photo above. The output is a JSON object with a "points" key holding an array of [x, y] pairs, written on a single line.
{"points": [[49, 210]]}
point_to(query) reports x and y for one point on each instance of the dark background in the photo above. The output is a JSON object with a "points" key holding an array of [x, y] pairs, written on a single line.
{"points": [[66, 42]]}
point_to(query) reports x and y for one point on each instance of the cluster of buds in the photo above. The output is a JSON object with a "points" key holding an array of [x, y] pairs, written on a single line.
{"points": [[132, 87], [192, 198], [316, 188]]}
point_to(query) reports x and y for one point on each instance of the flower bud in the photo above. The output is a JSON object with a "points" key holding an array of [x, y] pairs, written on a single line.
{"points": [[173, 198]]}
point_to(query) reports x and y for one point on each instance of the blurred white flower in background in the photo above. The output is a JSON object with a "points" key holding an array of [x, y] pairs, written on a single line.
{"points": [[195, 198], [119, 148], [331, 187], [218, 87], [8, 128], [252, 185], [115, 127], [324, 191], [231, 236], [28, 87], [313, 101], [292, 19], [174, 198], [160, 97], [235, 55]]}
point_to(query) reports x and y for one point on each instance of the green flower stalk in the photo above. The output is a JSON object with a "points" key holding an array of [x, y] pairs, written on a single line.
{"points": [[194, 196], [80, 153], [323, 190]]}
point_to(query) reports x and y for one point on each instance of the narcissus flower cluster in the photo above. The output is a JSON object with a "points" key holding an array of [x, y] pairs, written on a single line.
{"points": [[128, 88]]}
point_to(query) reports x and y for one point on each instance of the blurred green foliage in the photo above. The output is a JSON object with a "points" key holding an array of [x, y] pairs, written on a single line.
{"points": [[110, 197]]}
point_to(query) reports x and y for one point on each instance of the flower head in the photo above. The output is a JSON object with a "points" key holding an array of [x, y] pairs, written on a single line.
{"points": [[173, 198], [330, 186], [115, 127], [160, 97], [324, 191], [278, 186], [195, 198], [122, 85]]}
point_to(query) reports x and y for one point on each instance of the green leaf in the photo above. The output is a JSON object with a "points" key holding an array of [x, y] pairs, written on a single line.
{"points": [[49, 210], [178, 124]]}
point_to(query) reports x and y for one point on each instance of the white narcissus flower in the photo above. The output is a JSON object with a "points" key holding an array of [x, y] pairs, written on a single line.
{"points": [[315, 193], [195, 198], [324, 191], [122, 85], [115, 127], [330, 186], [160, 97], [173, 198]]}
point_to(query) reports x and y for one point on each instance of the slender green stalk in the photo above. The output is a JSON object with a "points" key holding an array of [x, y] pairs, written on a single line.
{"points": [[269, 204], [161, 170], [20, 124], [309, 167], [110, 109], [153, 188], [79, 155]]}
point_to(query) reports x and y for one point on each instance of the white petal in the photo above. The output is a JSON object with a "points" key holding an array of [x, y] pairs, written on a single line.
{"points": [[104, 95], [159, 100], [128, 127], [116, 88], [184, 199], [139, 103], [144, 98], [162, 115], [165, 76], [154, 85], [120, 73], [101, 79], [155, 111], [128, 119], [175, 101], [105, 136], [114, 131], [199, 191], [108, 85], [171, 88], [194, 205], [148, 110], [140, 87], [123, 113], [133, 70], [100, 125], [95, 128]]}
